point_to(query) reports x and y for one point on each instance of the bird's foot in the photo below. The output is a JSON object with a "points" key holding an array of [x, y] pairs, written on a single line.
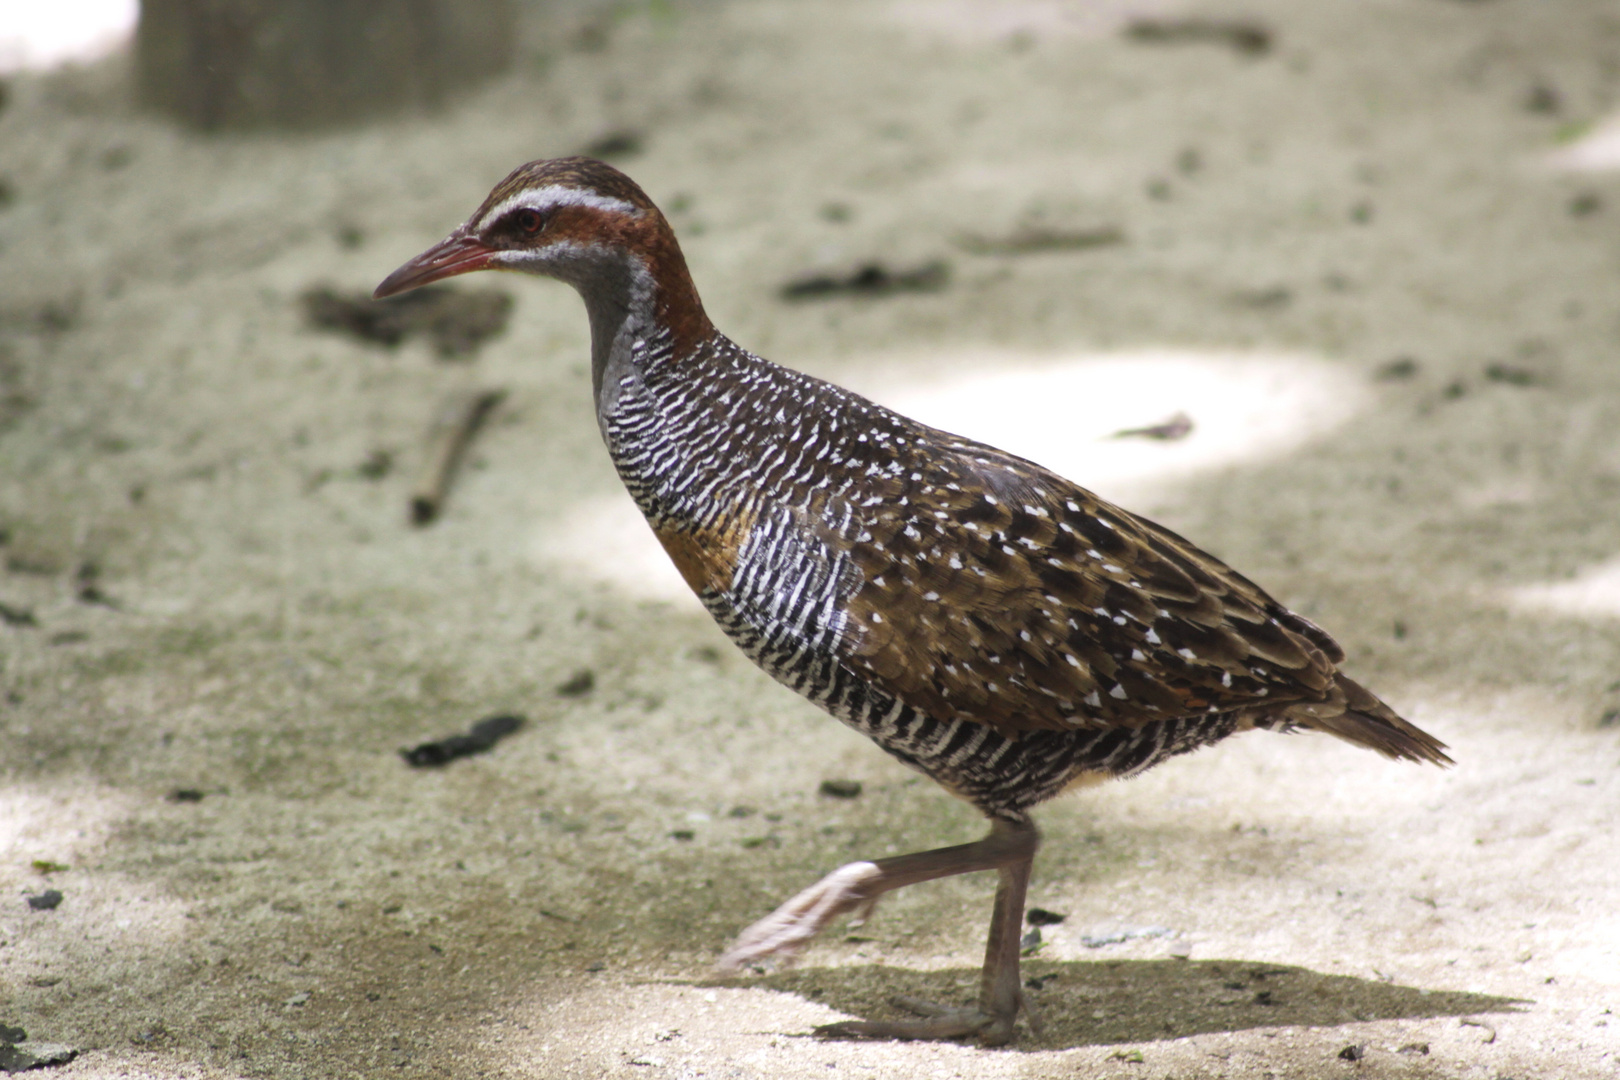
{"points": [[786, 930], [936, 1022]]}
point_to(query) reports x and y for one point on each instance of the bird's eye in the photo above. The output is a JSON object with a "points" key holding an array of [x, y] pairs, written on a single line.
{"points": [[529, 221]]}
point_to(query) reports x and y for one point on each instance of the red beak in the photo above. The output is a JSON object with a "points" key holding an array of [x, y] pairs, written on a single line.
{"points": [[459, 253]]}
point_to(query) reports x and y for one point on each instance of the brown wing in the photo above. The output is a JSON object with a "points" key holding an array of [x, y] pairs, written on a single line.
{"points": [[994, 590]]}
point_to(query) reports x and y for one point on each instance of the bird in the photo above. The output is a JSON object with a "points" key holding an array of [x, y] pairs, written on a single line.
{"points": [[983, 620]]}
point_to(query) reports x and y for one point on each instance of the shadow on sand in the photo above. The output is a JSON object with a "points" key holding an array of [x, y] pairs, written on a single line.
{"points": [[1128, 1001]]}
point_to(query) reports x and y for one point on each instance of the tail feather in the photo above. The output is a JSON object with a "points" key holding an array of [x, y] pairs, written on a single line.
{"points": [[1366, 721]]}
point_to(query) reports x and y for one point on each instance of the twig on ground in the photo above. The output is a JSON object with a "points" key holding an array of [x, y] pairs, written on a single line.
{"points": [[459, 419]]}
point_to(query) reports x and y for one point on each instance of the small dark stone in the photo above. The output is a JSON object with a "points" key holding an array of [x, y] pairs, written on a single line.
{"points": [[1414, 1048], [1244, 36], [1263, 997], [492, 728], [1512, 375], [1543, 98], [871, 280], [741, 812], [1353, 1053], [1585, 204], [480, 737], [46, 901], [378, 464], [841, 789], [1041, 917], [1397, 370], [57, 316], [1455, 389], [17, 616], [16, 1059], [683, 834], [87, 580], [186, 794], [579, 684]]}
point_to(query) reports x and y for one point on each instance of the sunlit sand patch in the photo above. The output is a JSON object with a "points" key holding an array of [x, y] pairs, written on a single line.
{"points": [[45, 33], [36, 825], [1063, 414], [607, 539], [41, 828], [1596, 151], [1592, 594], [663, 1028]]}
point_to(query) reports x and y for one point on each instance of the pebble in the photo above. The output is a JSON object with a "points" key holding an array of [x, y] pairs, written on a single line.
{"points": [[841, 789]]}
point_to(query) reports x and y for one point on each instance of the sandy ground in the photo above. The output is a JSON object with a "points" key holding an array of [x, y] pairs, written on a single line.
{"points": [[264, 627]]}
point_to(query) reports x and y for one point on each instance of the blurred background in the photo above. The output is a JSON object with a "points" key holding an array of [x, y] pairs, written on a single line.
{"points": [[1328, 288]]}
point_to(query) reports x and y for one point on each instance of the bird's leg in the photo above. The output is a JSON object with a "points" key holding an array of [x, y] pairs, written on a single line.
{"points": [[1001, 991], [1009, 849]]}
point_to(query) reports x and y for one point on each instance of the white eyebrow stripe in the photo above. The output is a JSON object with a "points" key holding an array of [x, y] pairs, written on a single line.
{"points": [[550, 197]]}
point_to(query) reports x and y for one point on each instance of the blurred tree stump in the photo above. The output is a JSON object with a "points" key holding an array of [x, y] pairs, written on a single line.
{"points": [[216, 64]]}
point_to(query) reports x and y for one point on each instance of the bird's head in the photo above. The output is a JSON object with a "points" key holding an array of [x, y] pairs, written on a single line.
{"points": [[576, 219]]}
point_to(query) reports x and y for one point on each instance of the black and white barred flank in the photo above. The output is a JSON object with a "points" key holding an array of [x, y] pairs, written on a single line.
{"points": [[755, 439]]}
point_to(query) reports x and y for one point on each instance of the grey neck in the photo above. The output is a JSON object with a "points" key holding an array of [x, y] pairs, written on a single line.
{"points": [[620, 301]]}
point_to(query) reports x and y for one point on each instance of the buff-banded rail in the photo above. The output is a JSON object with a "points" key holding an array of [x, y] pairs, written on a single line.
{"points": [[982, 619]]}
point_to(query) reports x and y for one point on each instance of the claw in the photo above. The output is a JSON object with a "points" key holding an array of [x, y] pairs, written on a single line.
{"points": [[863, 912], [790, 927], [924, 1007]]}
